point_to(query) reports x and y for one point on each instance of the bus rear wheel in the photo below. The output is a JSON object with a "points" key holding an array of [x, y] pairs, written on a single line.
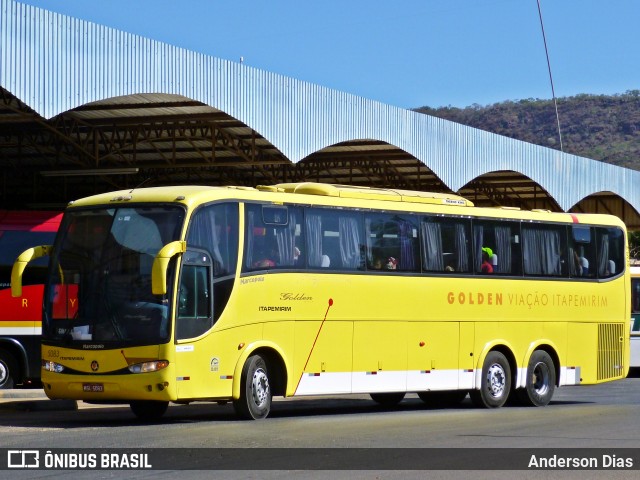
{"points": [[388, 399], [495, 383], [8, 370], [541, 380], [148, 409], [255, 393]]}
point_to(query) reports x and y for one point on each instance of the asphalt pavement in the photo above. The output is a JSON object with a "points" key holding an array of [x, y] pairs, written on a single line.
{"points": [[32, 399]]}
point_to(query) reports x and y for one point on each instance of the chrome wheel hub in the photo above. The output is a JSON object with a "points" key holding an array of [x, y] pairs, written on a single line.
{"points": [[540, 380], [260, 388], [496, 380]]}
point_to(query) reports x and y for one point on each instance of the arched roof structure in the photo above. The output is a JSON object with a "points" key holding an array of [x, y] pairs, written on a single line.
{"points": [[74, 94]]}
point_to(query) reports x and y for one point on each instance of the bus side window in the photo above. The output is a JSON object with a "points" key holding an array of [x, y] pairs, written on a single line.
{"points": [[392, 239], [334, 239], [610, 248], [194, 302], [431, 235], [500, 240], [445, 244], [272, 237], [583, 251], [543, 248], [213, 229]]}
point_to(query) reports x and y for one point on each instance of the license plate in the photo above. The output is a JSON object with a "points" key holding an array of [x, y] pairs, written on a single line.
{"points": [[92, 387]]}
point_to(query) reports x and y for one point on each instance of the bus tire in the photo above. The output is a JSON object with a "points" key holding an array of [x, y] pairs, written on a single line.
{"points": [[443, 399], [255, 392], [8, 370], [148, 410], [387, 399], [541, 380], [495, 383]]}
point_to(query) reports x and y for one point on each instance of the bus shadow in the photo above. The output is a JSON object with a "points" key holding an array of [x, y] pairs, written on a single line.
{"points": [[42, 414], [634, 372]]}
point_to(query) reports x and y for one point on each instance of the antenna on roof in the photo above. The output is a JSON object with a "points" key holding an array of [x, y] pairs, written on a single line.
{"points": [[553, 93], [241, 60], [140, 184]]}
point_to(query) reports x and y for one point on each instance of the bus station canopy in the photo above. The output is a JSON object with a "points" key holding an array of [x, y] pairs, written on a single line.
{"points": [[86, 109]]}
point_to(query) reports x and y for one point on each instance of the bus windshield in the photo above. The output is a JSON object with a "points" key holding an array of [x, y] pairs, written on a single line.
{"points": [[99, 287]]}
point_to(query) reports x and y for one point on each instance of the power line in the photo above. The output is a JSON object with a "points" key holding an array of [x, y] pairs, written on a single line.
{"points": [[553, 92]]}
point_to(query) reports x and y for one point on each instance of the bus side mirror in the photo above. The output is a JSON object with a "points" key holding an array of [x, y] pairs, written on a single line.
{"points": [[21, 263], [161, 263]]}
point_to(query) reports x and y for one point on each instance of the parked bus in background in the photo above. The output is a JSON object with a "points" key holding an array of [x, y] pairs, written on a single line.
{"points": [[635, 317], [20, 318], [180, 294]]}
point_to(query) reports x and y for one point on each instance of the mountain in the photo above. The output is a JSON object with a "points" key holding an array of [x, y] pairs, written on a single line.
{"points": [[601, 127]]}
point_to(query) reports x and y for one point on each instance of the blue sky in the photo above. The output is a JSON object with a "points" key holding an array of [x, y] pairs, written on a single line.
{"points": [[405, 53]]}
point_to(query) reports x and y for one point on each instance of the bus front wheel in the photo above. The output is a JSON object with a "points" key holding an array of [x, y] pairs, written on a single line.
{"points": [[148, 409], [541, 380], [495, 383], [255, 393], [8, 370]]}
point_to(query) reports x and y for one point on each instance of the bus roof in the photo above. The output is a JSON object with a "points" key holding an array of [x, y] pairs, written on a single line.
{"points": [[331, 194], [369, 193], [187, 194]]}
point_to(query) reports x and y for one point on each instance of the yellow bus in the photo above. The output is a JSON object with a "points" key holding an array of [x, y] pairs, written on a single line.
{"points": [[635, 317], [182, 294]]}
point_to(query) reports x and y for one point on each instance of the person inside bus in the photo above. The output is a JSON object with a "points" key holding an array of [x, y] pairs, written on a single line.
{"points": [[264, 263], [577, 266], [266, 260], [391, 264], [584, 264], [486, 266], [376, 264]]}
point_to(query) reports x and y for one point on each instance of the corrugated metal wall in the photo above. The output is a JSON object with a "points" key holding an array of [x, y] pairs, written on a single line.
{"points": [[54, 63]]}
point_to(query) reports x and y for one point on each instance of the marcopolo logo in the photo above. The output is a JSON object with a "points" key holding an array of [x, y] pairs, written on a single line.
{"points": [[23, 459]]}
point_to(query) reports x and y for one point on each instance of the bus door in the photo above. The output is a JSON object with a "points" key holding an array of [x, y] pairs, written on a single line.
{"points": [[194, 318]]}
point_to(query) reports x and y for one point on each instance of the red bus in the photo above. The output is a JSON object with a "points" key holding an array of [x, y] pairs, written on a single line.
{"points": [[21, 318]]}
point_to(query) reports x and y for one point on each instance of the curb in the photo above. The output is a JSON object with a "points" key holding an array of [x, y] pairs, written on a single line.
{"points": [[35, 393]]}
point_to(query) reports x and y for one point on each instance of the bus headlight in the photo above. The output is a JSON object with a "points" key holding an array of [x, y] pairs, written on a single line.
{"points": [[147, 367], [52, 366]]}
